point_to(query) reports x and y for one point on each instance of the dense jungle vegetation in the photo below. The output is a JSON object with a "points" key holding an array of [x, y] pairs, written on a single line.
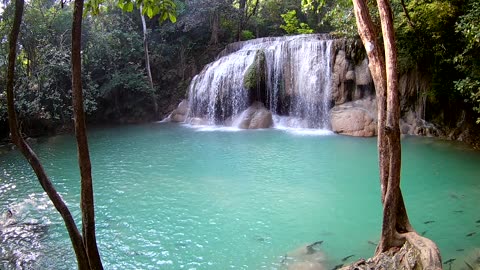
{"points": [[435, 37]]}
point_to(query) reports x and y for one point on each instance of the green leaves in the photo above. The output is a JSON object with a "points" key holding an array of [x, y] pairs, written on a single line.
{"points": [[151, 8], [468, 60], [293, 26]]}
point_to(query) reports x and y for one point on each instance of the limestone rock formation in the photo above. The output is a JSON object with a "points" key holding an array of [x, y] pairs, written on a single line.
{"points": [[254, 117], [254, 78], [180, 113], [356, 118], [411, 124]]}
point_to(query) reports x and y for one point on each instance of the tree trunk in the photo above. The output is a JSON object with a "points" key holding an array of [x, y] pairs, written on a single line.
{"points": [[86, 193], [385, 78], [28, 153], [396, 228], [215, 22], [147, 59], [241, 13], [392, 197], [376, 64]]}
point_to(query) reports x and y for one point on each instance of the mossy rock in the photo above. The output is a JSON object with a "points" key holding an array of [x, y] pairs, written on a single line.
{"points": [[255, 73]]}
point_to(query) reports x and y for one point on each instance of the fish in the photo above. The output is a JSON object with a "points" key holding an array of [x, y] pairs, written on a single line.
{"points": [[449, 261], [460, 249], [478, 221], [372, 243], [338, 266], [310, 249], [470, 234], [348, 257], [428, 221], [424, 232], [284, 259], [468, 265], [458, 211]]}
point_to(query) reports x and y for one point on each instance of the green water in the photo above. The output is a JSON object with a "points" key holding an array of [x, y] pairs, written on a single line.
{"points": [[174, 197]]}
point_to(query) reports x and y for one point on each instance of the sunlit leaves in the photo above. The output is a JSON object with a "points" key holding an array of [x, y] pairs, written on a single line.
{"points": [[293, 26], [312, 5], [165, 8], [151, 8]]}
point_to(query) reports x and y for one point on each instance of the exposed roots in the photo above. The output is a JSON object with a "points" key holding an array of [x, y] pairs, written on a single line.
{"points": [[416, 253]]}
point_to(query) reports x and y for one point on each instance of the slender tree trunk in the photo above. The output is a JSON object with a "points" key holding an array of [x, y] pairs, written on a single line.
{"points": [[28, 153], [376, 64], [86, 193], [241, 18], [392, 198], [147, 58], [405, 10], [145, 47], [384, 72], [215, 22]]}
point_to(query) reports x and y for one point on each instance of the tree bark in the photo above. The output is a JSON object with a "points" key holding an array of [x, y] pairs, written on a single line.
{"points": [[384, 72], [241, 12], [147, 58], [215, 22], [376, 64], [74, 234], [392, 197], [86, 193]]}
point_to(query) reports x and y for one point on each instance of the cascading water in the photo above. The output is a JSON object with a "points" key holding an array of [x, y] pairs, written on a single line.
{"points": [[295, 86]]}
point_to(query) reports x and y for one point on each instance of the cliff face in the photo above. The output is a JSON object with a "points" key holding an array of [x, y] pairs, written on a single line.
{"points": [[315, 81], [354, 107]]}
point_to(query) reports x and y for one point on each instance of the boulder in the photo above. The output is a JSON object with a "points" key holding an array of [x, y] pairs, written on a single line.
{"points": [[254, 117], [198, 121], [357, 118], [180, 113]]}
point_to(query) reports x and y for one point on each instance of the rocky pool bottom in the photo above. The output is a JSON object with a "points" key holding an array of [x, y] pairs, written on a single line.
{"points": [[175, 197]]}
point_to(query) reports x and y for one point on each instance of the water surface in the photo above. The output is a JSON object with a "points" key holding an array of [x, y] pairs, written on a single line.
{"points": [[174, 197]]}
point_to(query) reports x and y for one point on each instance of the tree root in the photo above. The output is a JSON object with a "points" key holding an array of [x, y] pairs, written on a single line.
{"points": [[416, 253]]}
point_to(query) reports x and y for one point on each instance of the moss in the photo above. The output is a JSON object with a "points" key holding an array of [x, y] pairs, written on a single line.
{"points": [[255, 74]]}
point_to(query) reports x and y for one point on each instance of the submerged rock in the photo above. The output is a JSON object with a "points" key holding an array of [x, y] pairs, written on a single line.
{"points": [[254, 117], [357, 118], [198, 121], [307, 257]]}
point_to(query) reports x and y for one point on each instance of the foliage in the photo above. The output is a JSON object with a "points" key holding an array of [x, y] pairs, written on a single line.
{"points": [[431, 27], [247, 34], [166, 9], [468, 60], [340, 17], [292, 24]]}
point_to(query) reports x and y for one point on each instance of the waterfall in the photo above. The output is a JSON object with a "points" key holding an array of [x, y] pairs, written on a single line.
{"points": [[294, 82]]}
